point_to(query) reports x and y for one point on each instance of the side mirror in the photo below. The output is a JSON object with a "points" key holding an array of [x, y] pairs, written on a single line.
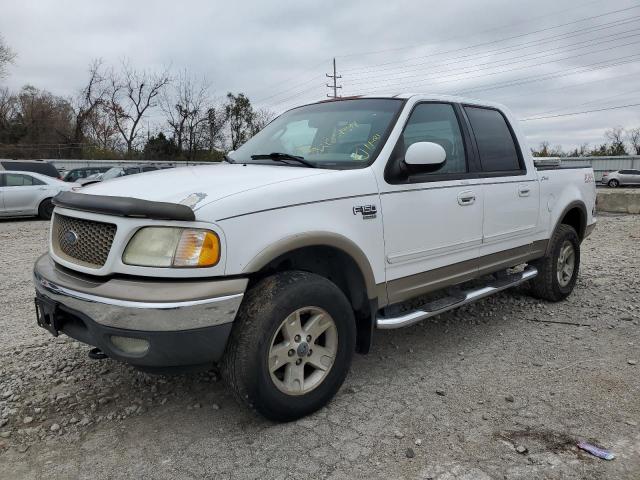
{"points": [[425, 153]]}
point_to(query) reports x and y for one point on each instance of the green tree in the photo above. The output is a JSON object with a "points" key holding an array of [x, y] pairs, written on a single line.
{"points": [[160, 148], [239, 115]]}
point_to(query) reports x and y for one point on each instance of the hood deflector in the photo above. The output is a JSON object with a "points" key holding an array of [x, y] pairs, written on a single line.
{"points": [[124, 206]]}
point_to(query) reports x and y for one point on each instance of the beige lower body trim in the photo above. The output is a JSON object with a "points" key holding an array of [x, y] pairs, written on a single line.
{"points": [[412, 286]]}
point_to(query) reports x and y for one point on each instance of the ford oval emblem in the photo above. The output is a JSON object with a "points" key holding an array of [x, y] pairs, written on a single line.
{"points": [[70, 237]]}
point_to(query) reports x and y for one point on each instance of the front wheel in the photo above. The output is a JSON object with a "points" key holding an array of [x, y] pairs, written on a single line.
{"points": [[558, 270], [291, 345]]}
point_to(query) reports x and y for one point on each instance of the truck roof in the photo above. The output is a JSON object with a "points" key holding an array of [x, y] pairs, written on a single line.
{"points": [[426, 96]]}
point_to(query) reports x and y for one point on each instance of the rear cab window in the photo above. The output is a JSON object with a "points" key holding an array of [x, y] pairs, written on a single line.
{"points": [[497, 147]]}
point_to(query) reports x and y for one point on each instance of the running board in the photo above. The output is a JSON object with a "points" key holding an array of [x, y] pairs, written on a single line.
{"points": [[442, 305]]}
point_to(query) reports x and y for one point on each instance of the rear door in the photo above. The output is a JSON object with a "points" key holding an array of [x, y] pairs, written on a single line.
{"points": [[511, 193], [22, 193], [432, 218]]}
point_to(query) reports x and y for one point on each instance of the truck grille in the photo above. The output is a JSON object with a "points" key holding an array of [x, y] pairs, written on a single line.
{"points": [[80, 241]]}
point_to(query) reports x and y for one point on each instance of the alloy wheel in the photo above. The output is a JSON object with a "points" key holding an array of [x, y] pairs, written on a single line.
{"points": [[566, 263], [302, 350]]}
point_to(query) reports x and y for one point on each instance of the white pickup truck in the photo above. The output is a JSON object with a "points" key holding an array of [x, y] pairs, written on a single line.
{"points": [[339, 218]]}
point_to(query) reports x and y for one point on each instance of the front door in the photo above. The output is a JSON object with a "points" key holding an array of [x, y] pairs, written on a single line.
{"points": [[432, 219]]}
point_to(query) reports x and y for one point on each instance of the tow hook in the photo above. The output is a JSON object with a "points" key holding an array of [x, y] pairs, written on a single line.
{"points": [[97, 354]]}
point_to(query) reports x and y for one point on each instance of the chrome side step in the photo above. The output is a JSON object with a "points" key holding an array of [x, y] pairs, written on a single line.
{"points": [[440, 306]]}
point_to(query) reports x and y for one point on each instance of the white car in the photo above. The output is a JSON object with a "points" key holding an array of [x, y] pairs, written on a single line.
{"points": [[621, 178], [29, 193], [337, 219]]}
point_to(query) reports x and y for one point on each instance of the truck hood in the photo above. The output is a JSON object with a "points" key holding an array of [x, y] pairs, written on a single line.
{"points": [[199, 185]]}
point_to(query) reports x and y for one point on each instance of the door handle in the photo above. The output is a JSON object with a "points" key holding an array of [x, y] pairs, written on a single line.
{"points": [[466, 198], [524, 190]]}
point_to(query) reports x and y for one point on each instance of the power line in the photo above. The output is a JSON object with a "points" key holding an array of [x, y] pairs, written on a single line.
{"points": [[277, 94], [523, 46], [467, 77], [580, 113], [613, 12], [518, 59], [562, 73], [624, 60], [400, 48], [288, 79], [504, 49], [574, 85], [335, 78], [584, 103]]}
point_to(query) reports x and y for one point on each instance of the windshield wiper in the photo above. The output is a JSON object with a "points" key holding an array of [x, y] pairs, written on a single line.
{"points": [[283, 157]]}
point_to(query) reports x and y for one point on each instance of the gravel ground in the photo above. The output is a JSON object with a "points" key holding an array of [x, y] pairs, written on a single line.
{"points": [[500, 389]]}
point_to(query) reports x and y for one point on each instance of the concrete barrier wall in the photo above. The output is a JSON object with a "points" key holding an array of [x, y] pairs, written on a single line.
{"points": [[621, 200]]}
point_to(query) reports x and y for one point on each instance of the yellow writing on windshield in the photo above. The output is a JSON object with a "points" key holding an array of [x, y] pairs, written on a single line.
{"points": [[329, 142], [363, 152]]}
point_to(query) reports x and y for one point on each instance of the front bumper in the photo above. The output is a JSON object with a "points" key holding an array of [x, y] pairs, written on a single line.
{"points": [[167, 323]]}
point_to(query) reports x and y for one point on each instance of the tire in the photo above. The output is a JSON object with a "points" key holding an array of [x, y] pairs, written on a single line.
{"points": [[550, 284], [45, 210], [613, 183], [249, 364]]}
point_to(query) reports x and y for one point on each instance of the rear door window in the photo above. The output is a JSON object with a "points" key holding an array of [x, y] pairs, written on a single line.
{"points": [[21, 180], [496, 145]]}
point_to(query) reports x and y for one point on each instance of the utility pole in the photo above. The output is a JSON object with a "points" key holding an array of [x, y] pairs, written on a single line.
{"points": [[335, 78]]}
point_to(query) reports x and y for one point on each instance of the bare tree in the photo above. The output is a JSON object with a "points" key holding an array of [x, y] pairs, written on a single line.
{"points": [[261, 119], [186, 106], [89, 99], [7, 56], [7, 107], [616, 136], [131, 95], [633, 136], [101, 129]]}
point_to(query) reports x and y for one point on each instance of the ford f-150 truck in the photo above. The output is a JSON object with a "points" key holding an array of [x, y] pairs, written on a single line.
{"points": [[337, 219]]}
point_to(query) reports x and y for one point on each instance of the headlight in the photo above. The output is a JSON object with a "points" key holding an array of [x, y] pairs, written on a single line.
{"points": [[172, 247]]}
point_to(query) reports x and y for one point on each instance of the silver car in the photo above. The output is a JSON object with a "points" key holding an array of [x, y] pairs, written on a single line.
{"points": [[29, 193], [621, 177]]}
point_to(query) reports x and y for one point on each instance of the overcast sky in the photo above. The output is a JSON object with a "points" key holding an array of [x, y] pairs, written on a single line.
{"points": [[278, 55]]}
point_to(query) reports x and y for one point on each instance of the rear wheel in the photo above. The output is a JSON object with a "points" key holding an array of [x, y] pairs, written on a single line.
{"points": [[558, 270], [45, 210], [291, 345], [613, 183]]}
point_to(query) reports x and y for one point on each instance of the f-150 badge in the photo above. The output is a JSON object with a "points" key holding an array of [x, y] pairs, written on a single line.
{"points": [[367, 211]]}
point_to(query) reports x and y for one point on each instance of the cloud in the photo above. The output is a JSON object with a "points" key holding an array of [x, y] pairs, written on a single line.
{"points": [[279, 53]]}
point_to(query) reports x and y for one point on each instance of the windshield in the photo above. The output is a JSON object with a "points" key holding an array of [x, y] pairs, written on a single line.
{"points": [[340, 134], [113, 173]]}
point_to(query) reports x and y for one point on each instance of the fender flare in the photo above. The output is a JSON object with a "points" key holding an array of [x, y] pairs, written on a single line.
{"points": [[583, 211], [318, 239]]}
